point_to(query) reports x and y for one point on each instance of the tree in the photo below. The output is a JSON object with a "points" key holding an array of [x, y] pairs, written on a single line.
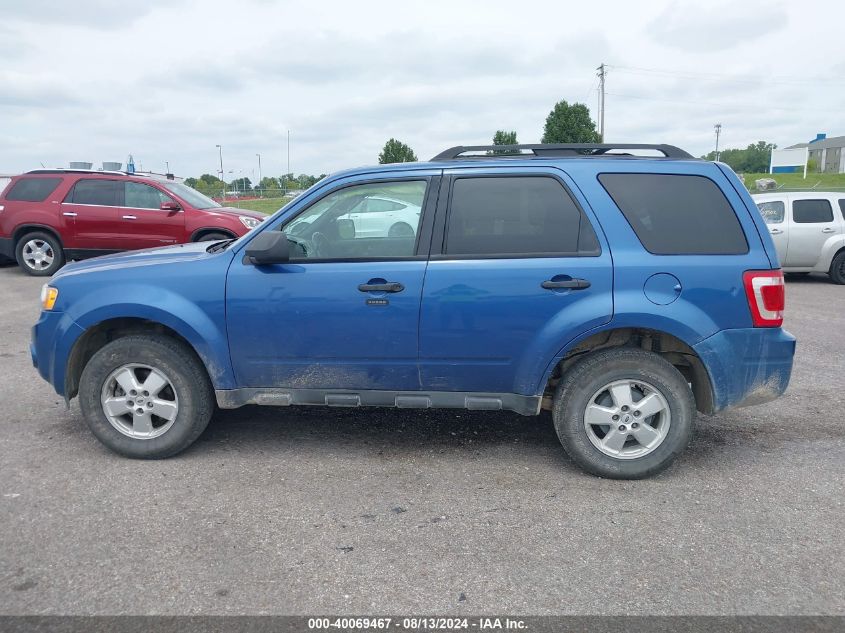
{"points": [[570, 124], [240, 184], [191, 182], [208, 179], [504, 138], [754, 159], [396, 152]]}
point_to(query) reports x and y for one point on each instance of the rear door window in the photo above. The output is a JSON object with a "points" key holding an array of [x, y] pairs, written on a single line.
{"points": [[812, 211], [104, 193], [508, 216], [677, 214], [32, 189], [773, 211], [141, 196]]}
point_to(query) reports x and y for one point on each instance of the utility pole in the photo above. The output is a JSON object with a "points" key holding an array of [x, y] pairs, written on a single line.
{"points": [[718, 128], [222, 174], [259, 172], [286, 177], [601, 75]]}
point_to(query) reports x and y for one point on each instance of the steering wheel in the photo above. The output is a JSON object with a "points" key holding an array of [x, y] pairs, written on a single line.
{"points": [[319, 244]]}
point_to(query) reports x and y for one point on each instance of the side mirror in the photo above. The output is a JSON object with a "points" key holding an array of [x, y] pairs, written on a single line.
{"points": [[269, 247], [346, 229], [170, 206]]}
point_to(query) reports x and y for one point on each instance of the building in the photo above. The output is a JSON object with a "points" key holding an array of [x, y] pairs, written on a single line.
{"points": [[825, 154]]}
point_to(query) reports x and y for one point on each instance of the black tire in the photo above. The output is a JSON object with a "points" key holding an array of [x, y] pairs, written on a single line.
{"points": [[589, 375], [837, 269], [213, 237], [53, 248], [401, 229], [189, 382]]}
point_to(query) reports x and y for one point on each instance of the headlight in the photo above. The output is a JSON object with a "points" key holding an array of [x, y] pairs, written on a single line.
{"points": [[48, 297], [249, 222]]}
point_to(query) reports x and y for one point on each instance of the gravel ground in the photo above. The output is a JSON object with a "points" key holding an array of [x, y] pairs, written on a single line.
{"points": [[295, 511]]}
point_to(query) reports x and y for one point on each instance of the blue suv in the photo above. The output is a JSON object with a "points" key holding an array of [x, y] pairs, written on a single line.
{"points": [[619, 291]]}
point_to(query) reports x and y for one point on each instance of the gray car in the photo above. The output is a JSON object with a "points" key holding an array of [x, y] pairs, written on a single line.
{"points": [[808, 229]]}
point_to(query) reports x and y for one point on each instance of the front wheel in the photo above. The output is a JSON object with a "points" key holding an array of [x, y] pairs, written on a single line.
{"points": [[623, 413], [146, 396], [214, 237], [837, 269]]}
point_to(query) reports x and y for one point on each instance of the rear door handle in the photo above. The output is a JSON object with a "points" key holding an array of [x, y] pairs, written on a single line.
{"points": [[69, 214], [828, 230], [129, 217], [389, 286], [574, 284]]}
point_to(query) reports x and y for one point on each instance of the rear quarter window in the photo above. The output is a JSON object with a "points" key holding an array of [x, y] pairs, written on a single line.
{"points": [[677, 214], [32, 189]]}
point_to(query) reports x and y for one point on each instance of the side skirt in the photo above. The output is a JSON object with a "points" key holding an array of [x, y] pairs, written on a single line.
{"points": [[86, 253], [524, 405]]}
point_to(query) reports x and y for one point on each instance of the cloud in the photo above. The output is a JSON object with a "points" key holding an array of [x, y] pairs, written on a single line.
{"points": [[713, 27], [95, 14]]}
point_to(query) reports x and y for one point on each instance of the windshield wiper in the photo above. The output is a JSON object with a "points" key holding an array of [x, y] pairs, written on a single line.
{"points": [[220, 246]]}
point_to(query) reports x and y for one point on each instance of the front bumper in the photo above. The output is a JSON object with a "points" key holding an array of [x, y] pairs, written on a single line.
{"points": [[747, 366], [53, 336]]}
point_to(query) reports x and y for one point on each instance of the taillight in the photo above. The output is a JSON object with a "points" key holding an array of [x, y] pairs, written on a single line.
{"points": [[764, 290]]}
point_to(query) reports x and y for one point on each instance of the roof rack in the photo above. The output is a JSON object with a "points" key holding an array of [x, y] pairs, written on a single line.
{"points": [[558, 150], [69, 170]]}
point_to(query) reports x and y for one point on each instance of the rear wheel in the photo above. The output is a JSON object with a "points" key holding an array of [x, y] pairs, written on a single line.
{"points": [[837, 269], [39, 254], [623, 413], [146, 396], [401, 229], [214, 237]]}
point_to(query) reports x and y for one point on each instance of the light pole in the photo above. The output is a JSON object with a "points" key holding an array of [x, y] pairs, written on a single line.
{"points": [[222, 174], [259, 174], [288, 174], [718, 128]]}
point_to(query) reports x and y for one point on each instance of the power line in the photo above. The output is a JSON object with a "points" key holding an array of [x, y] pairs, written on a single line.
{"points": [[755, 106], [721, 76]]}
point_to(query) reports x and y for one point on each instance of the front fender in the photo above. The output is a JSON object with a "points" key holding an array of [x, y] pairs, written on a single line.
{"points": [[206, 335], [832, 246]]}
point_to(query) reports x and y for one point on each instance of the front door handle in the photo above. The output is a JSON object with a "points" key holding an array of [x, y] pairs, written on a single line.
{"points": [[775, 231], [388, 286], [129, 217], [828, 230], [573, 284]]}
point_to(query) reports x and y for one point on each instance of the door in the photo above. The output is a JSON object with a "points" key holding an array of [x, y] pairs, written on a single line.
{"points": [[774, 214], [145, 223], [516, 272], [94, 208], [343, 313], [813, 224]]}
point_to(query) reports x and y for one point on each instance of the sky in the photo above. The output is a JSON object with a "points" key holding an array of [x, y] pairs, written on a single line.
{"points": [[168, 80]]}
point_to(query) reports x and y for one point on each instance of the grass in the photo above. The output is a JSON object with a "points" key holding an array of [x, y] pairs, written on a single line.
{"points": [[262, 205], [819, 182]]}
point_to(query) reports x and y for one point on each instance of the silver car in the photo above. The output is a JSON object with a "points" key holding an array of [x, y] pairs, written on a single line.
{"points": [[808, 229]]}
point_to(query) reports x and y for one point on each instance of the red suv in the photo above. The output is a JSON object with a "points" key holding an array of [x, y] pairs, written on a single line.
{"points": [[50, 215]]}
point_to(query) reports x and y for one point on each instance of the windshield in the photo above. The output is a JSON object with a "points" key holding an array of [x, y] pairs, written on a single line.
{"points": [[191, 196]]}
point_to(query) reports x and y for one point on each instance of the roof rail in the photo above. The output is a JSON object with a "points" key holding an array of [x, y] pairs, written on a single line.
{"points": [[69, 170], [559, 150]]}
